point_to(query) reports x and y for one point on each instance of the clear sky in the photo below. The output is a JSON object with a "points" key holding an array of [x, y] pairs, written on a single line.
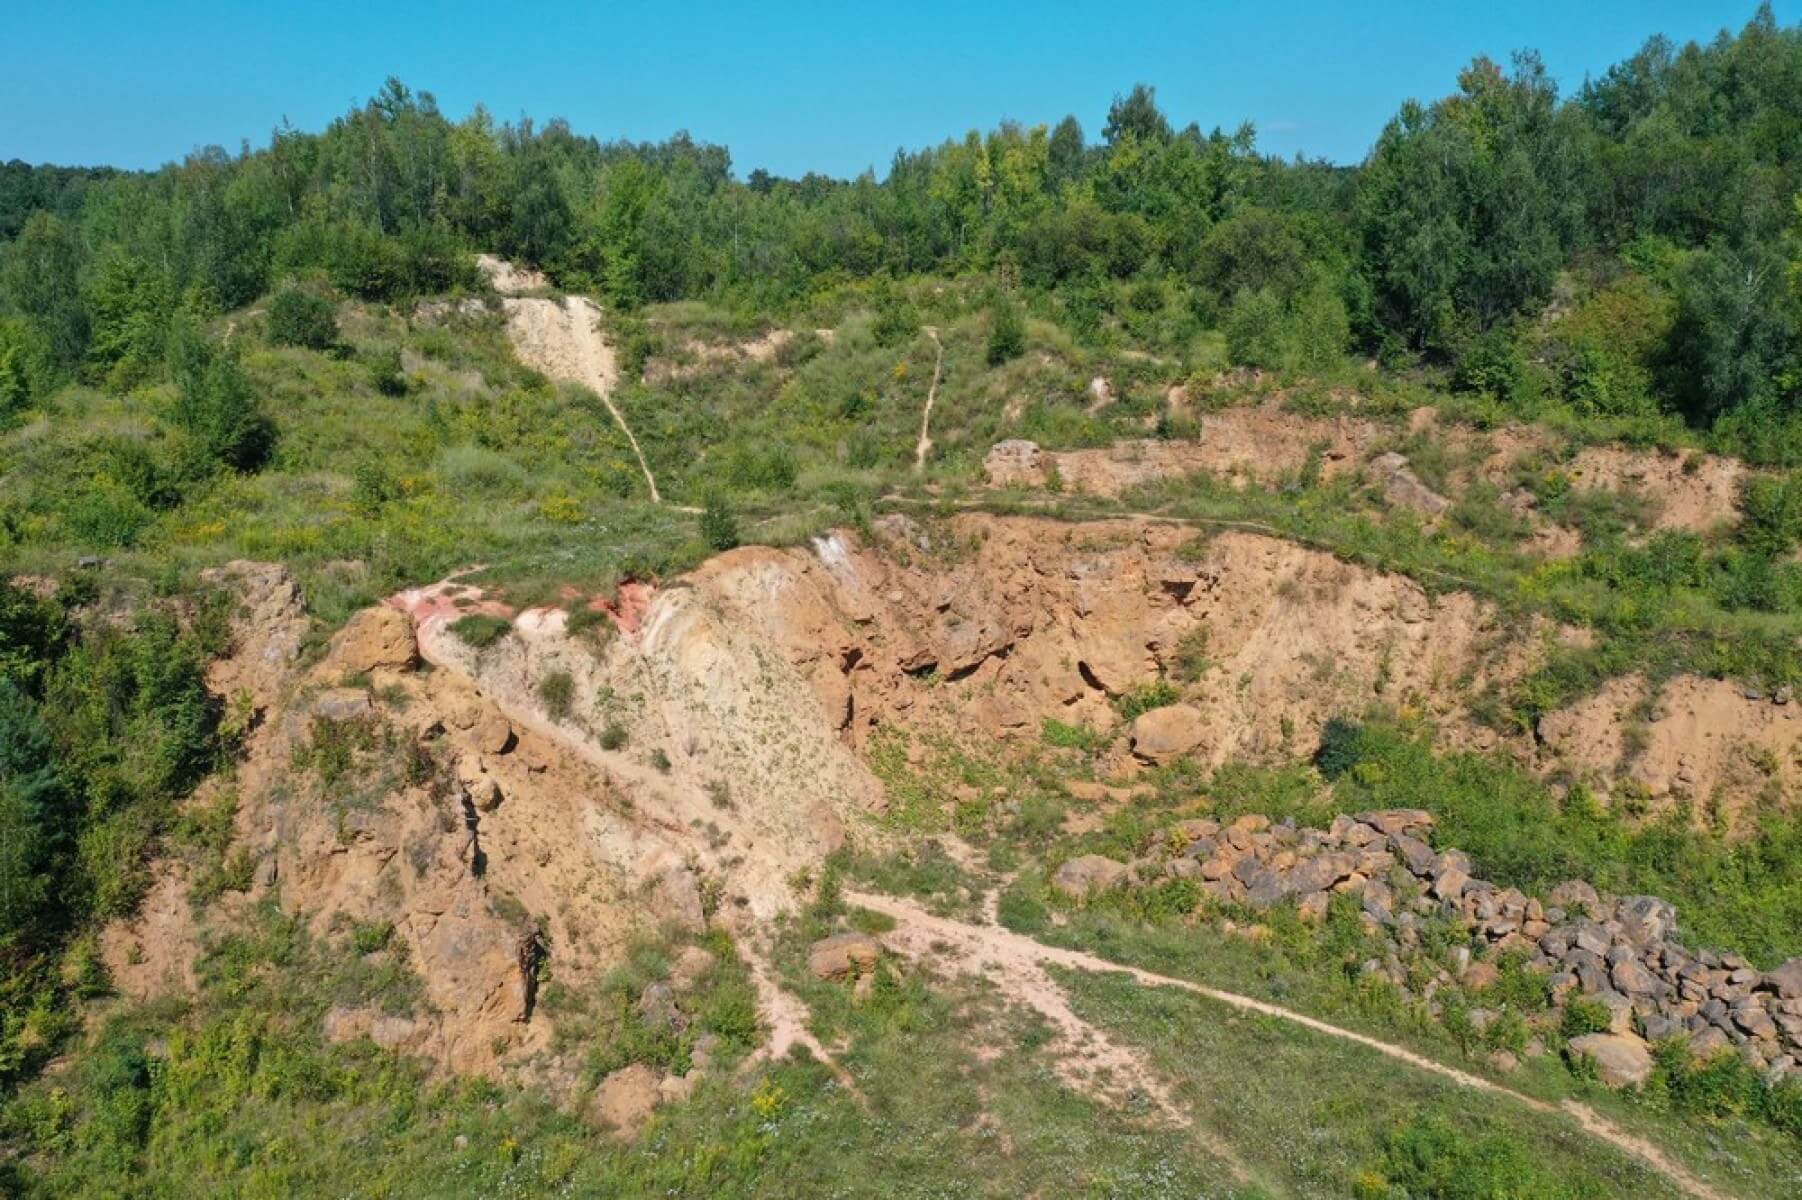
{"points": [[789, 87]]}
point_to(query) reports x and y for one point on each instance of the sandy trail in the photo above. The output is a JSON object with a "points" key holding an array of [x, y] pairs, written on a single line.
{"points": [[787, 1016], [564, 341], [1017, 963], [924, 446]]}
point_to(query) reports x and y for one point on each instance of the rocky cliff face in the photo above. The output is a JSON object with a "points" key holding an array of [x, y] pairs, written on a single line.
{"points": [[990, 625], [678, 753]]}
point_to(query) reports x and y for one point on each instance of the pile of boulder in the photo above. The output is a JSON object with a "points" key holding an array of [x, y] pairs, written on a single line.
{"points": [[1620, 954]]}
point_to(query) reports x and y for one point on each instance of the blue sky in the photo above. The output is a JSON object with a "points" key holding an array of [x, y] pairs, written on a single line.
{"points": [[789, 87]]}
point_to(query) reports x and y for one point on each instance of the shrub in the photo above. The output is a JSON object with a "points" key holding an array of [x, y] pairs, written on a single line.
{"points": [[896, 319], [1584, 1015], [1146, 697], [1064, 736], [481, 630], [300, 318], [594, 624], [476, 472], [1771, 508], [1341, 745], [368, 937], [1007, 330], [1430, 1156], [557, 691], [217, 408], [613, 737], [386, 373], [719, 528], [24, 367]]}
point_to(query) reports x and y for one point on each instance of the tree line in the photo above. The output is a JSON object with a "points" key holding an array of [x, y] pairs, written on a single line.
{"points": [[1626, 252]]}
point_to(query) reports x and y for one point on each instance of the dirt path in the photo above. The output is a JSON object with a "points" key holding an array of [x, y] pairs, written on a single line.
{"points": [[1018, 964], [924, 445], [787, 1016]]}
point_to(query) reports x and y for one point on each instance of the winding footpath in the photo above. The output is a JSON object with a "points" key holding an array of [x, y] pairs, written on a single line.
{"points": [[1017, 963]]}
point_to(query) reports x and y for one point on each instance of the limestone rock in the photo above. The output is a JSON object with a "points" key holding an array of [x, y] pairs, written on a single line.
{"points": [[379, 637], [1083, 877], [1402, 488], [1646, 920], [1167, 733], [625, 1099], [1622, 1059], [844, 955], [691, 965], [676, 897], [1015, 462], [1786, 980]]}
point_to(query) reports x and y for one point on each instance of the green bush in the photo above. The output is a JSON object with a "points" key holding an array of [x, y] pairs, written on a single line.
{"points": [[1147, 696], [1061, 735], [1584, 1015], [217, 407], [1771, 514], [557, 691], [300, 318], [1007, 330], [386, 373], [719, 528], [25, 372], [476, 472], [1341, 746]]}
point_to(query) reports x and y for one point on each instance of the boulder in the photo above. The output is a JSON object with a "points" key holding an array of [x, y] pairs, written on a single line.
{"points": [[1631, 977], [1167, 733], [493, 734], [844, 955], [1396, 821], [691, 965], [1083, 877], [1645, 920], [1015, 462], [1622, 1059], [1786, 980], [676, 897], [1480, 975], [1319, 873], [1419, 857], [657, 1007], [625, 1099], [1403, 489], [1450, 883], [1575, 893], [379, 637]]}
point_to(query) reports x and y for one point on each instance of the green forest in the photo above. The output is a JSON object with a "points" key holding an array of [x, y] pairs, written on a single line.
{"points": [[1657, 206]]}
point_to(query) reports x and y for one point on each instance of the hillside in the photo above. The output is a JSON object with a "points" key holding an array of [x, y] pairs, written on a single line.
{"points": [[565, 671]]}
